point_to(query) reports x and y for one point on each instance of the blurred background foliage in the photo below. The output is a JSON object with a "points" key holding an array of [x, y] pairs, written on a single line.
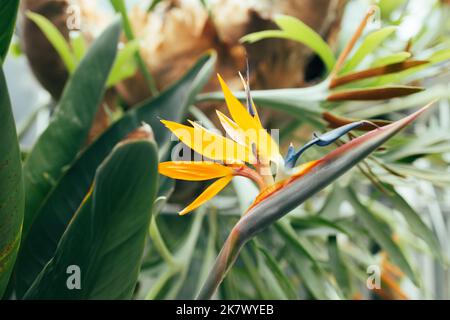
{"points": [[392, 210]]}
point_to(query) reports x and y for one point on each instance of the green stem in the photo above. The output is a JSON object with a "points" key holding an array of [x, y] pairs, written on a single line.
{"points": [[160, 245], [160, 283], [152, 5], [210, 248], [119, 6]]}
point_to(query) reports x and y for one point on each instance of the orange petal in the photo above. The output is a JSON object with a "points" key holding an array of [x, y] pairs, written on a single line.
{"points": [[208, 194], [209, 144], [193, 170]]}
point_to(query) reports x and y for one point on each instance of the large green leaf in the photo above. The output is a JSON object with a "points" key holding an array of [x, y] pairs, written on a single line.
{"points": [[11, 188], [107, 234], [8, 14], [65, 198], [58, 146]]}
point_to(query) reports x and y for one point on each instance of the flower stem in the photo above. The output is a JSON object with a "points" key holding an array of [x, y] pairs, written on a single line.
{"points": [[159, 244], [348, 48], [119, 6]]}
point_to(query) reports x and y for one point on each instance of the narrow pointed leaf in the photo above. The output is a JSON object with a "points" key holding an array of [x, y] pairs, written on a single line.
{"points": [[336, 121], [283, 281], [338, 266], [378, 93], [378, 231], [375, 72], [106, 237], [369, 44], [55, 37], [419, 228], [11, 188], [294, 29], [393, 58]]}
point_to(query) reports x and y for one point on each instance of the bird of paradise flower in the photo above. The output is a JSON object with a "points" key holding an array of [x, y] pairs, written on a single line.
{"points": [[251, 152]]}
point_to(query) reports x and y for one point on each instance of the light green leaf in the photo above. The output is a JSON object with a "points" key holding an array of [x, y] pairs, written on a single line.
{"points": [[11, 188], [294, 29], [378, 230], [280, 275], [439, 56], [418, 227], [124, 66], [390, 59], [338, 266], [369, 44], [78, 44], [106, 237], [56, 39]]}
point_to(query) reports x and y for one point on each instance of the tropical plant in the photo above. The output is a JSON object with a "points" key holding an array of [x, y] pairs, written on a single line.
{"points": [[292, 218]]}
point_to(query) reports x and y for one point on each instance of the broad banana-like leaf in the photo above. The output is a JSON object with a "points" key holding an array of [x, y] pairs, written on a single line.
{"points": [[59, 144], [8, 15], [63, 201], [277, 204], [104, 242], [11, 188]]}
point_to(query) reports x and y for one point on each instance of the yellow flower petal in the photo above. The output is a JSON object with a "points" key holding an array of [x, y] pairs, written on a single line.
{"points": [[267, 148], [247, 90], [210, 144], [232, 129], [208, 194], [193, 170], [238, 112]]}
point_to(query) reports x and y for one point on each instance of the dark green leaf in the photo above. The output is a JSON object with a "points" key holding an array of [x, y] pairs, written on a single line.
{"points": [[11, 188], [106, 236], [66, 197], [8, 15], [58, 146]]}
